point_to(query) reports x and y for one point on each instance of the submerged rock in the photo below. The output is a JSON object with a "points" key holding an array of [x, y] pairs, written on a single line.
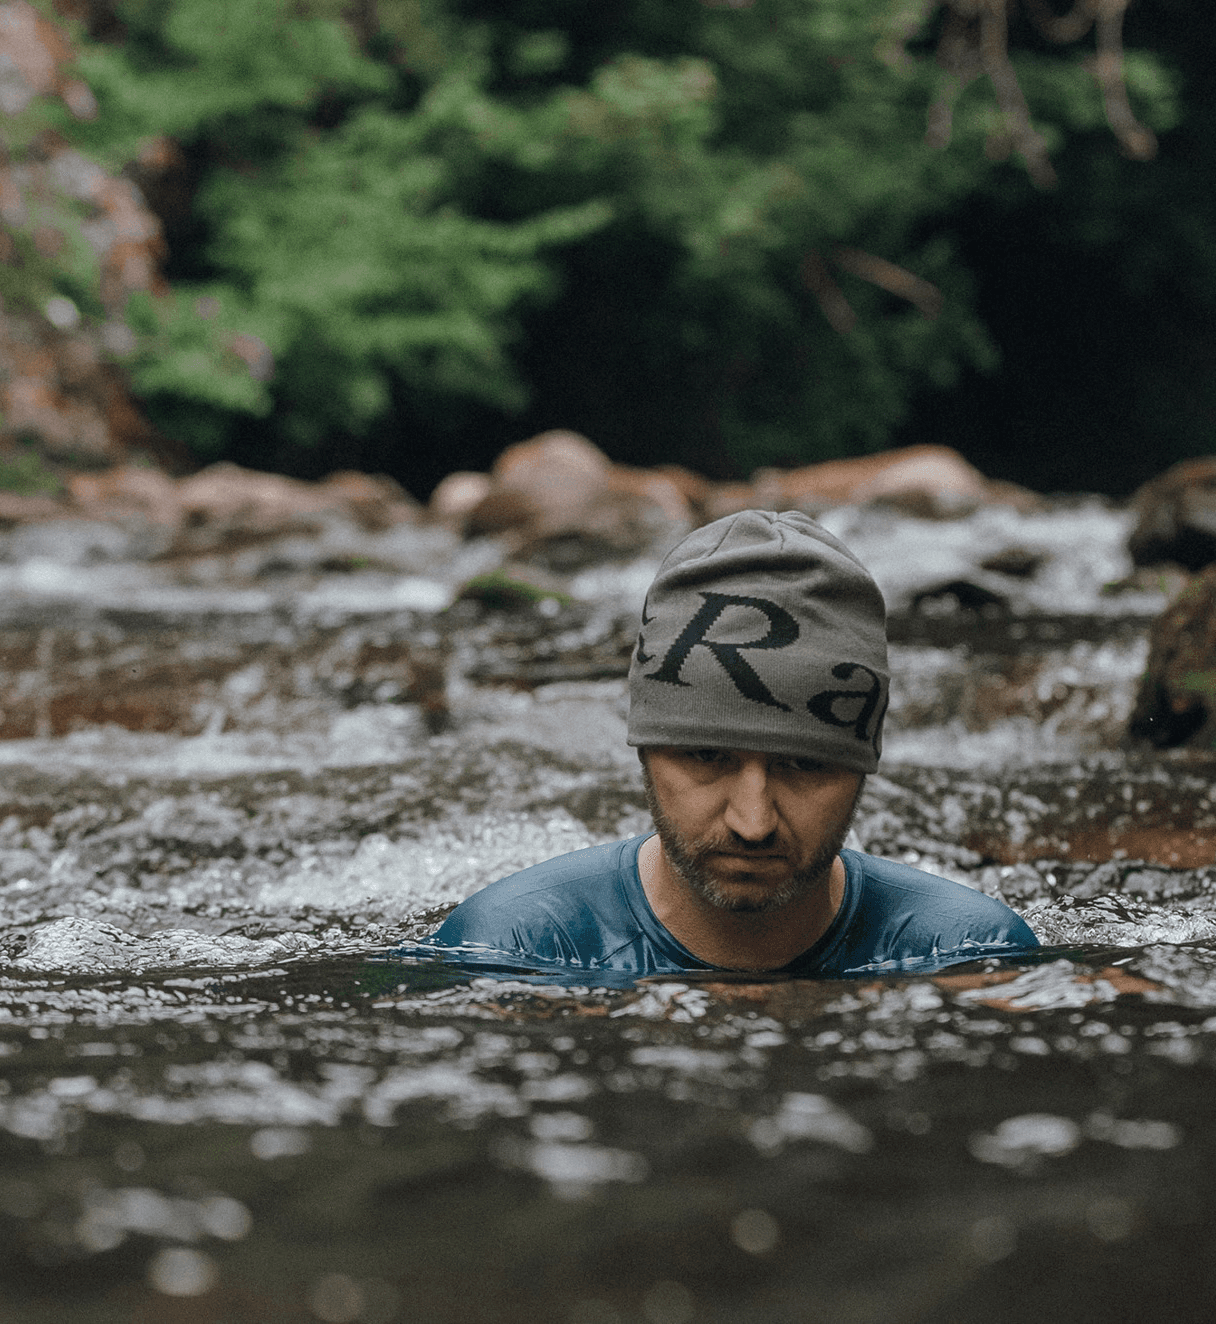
{"points": [[1176, 702], [1176, 516]]}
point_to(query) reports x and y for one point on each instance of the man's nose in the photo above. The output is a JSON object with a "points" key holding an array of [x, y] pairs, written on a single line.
{"points": [[750, 811]]}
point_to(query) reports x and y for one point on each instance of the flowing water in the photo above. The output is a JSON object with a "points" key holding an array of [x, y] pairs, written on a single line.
{"points": [[234, 796]]}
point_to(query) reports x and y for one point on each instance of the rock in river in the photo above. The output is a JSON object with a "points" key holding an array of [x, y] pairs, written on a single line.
{"points": [[1177, 516], [1176, 703]]}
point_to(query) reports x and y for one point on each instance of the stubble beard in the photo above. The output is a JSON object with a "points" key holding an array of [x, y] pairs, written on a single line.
{"points": [[690, 859]]}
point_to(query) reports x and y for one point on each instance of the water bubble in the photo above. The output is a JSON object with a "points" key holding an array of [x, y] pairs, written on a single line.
{"points": [[810, 1117], [561, 1126], [337, 1299], [179, 1271], [668, 1302], [271, 1142], [96, 1233], [574, 1169], [1020, 1140], [72, 1087], [754, 1231], [1139, 1133], [222, 1216]]}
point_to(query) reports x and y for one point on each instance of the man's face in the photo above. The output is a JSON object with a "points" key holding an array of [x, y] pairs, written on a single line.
{"points": [[748, 832]]}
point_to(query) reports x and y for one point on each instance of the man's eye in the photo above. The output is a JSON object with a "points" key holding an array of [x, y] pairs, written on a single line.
{"points": [[804, 765], [706, 755]]}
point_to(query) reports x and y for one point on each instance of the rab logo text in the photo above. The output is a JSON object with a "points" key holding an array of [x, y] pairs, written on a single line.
{"points": [[782, 631], [824, 704]]}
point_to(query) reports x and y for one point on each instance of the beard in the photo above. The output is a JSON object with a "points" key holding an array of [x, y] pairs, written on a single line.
{"points": [[691, 860]]}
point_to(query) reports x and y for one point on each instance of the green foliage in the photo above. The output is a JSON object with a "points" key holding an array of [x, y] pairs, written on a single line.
{"points": [[501, 590], [26, 474], [603, 212]]}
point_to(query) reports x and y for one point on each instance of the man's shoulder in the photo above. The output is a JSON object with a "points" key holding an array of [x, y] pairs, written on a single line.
{"points": [[929, 909], [557, 902], [564, 874]]}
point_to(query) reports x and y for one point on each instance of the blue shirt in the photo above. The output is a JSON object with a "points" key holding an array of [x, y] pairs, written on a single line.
{"points": [[588, 910]]}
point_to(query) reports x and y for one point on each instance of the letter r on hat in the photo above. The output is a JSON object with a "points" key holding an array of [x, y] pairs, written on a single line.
{"points": [[782, 631]]}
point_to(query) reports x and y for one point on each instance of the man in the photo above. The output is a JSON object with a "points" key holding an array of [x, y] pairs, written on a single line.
{"points": [[757, 695]]}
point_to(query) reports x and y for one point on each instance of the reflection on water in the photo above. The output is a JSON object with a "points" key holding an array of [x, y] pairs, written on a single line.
{"points": [[355, 1134]]}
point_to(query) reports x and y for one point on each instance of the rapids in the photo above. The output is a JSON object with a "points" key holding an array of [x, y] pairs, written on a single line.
{"points": [[231, 1089]]}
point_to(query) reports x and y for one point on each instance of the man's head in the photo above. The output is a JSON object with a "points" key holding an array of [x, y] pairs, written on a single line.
{"points": [[757, 695], [763, 632]]}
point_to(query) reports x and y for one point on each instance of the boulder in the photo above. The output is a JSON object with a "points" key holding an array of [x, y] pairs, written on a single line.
{"points": [[225, 495], [219, 509], [934, 482], [555, 475], [17, 508], [694, 487], [127, 491], [1176, 702], [729, 498], [375, 501], [1176, 516], [560, 500], [457, 495], [224, 507]]}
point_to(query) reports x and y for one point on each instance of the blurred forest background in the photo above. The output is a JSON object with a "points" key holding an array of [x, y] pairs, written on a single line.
{"points": [[402, 234]]}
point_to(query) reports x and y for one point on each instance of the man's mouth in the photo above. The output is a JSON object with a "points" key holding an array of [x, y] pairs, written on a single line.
{"points": [[747, 857]]}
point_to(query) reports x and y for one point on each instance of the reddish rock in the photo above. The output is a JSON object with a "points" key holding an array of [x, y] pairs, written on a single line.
{"points": [[649, 485], [16, 508], [1176, 516], [457, 496], [694, 487], [224, 506], [35, 53], [375, 501], [125, 491], [729, 498], [499, 511], [221, 507], [934, 482], [1176, 702], [168, 678], [225, 494], [560, 498], [558, 474]]}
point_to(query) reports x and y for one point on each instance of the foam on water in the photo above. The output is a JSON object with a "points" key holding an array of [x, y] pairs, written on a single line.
{"points": [[397, 879], [1083, 545]]}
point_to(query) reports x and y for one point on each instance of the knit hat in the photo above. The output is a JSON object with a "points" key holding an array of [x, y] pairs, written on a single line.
{"points": [[763, 632]]}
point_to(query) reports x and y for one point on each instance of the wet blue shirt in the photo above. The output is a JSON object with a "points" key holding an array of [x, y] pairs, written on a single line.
{"points": [[587, 909]]}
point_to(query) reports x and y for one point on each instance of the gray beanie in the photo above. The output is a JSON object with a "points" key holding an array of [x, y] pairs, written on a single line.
{"points": [[763, 632]]}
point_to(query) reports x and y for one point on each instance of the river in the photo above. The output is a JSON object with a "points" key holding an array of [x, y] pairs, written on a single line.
{"points": [[233, 795]]}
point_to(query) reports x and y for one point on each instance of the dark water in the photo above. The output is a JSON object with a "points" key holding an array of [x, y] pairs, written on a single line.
{"points": [[223, 1099], [350, 1139]]}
